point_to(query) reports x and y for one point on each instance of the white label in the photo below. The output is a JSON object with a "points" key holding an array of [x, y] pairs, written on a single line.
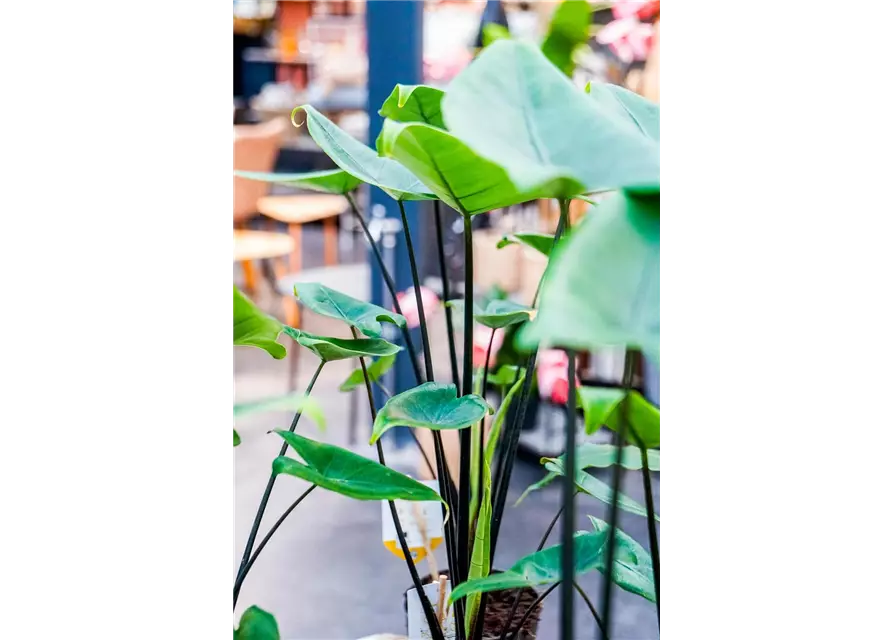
{"points": [[422, 524], [416, 623]]}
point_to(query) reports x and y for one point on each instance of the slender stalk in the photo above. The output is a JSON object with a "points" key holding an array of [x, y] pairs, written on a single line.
{"points": [[465, 434], [430, 616], [392, 288], [417, 284], [652, 528], [252, 536], [588, 602], [445, 284], [481, 430], [263, 543], [617, 480], [568, 520], [532, 608]]}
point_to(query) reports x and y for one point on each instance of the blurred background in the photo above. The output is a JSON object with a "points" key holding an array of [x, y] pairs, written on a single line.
{"points": [[326, 574]]}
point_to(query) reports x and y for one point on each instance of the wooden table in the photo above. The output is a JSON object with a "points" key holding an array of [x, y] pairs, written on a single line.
{"points": [[299, 209], [251, 245]]}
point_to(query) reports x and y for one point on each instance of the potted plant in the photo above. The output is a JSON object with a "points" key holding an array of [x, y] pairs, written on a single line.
{"points": [[511, 128]]}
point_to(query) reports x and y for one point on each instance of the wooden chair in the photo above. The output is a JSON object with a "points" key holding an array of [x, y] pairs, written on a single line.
{"points": [[255, 148]]}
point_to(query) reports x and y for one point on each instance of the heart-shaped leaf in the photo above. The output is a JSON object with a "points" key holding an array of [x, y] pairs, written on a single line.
{"points": [[615, 300], [644, 114], [236, 439], [307, 405], [256, 624], [414, 103], [602, 406], [335, 181], [464, 180], [587, 483], [365, 316], [568, 29], [430, 405], [632, 565], [347, 473], [328, 349], [542, 242], [375, 371], [254, 328], [514, 108], [361, 162], [498, 314]]}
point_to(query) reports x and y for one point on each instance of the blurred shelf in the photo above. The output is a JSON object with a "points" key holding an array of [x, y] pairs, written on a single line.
{"points": [[272, 56]]}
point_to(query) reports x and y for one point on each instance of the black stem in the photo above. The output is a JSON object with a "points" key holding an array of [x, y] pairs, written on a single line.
{"points": [[532, 608], [586, 599], [465, 434], [617, 480], [652, 527], [417, 284], [430, 616], [568, 520], [263, 543], [392, 288], [445, 284], [252, 536]]}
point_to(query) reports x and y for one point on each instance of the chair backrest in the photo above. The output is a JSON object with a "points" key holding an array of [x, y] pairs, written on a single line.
{"points": [[255, 148]]}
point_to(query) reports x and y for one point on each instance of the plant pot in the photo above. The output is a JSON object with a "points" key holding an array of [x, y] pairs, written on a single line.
{"points": [[499, 605]]}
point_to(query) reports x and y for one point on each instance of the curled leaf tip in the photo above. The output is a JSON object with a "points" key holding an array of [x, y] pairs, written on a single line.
{"points": [[294, 111]]}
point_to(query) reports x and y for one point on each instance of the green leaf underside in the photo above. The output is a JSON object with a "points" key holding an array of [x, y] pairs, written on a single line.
{"points": [[236, 439], [541, 242], [430, 405], [365, 316], [632, 565], [589, 484], [414, 103], [328, 349], [514, 108], [362, 162], [256, 624], [615, 300], [602, 407], [254, 328], [568, 29], [644, 114], [375, 371], [347, 473], [307, 405], [498, 314], [334, 181]]}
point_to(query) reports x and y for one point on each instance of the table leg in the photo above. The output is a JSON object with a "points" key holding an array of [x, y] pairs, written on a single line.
{"points": [[294, 263], [330, 233], [250, 276]]}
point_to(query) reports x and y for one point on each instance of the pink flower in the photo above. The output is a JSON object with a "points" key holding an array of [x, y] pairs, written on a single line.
{"points": [[481, 339], [410, 309], [551, 373], [628, 38]]}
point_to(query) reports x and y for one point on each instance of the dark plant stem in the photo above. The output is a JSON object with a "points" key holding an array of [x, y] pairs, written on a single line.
{"points": [[263, 543], [588, 602], [417, 285], [617, 480], [430, 617], [465, 434], [392, 288], [652, 528], [252, 536], [568, 520], [445, 284], [532, 608]]}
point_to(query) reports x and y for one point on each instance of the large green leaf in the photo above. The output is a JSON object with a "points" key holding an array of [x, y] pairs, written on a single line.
{"points": [[568, 30], [362, 162], [632, 565], [430, 405], [347, 473], [307, 405], [614, 298], [498, 314], [375, 371], [458, 176], [542, 242], [587, 483], [336, 181], [256, 624], [516, 109], [603, 406], [365, 316], [328, 349], [643, 113], [254, 328], [414, 103]]}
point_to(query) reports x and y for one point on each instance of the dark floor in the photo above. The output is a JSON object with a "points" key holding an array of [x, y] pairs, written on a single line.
{"points": [[326, 574]]}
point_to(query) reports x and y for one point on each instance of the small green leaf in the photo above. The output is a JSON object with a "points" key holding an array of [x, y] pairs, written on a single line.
{"points": [[498, 314], [328, 349], [414, 103], [256, 624], [307, 405], [360, 161], [587, 483], [602, 406], [236, 439], [633, 570], [615, 300], [505, 375], [347, 473], [542, 242], [335, 181], [536, 486], [568, 30], [375, 370], [254, 328], [365, 316], [493, 32], [430, 406]]}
